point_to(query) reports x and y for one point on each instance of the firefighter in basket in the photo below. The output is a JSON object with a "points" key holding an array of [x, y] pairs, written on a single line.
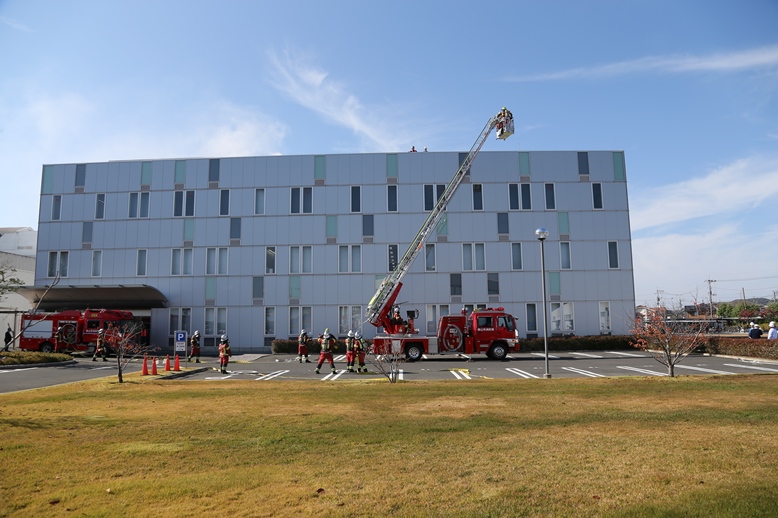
{"points": [[302, 347], [351, 353], [224, 354], [100, 346], [360, 347], [195, 347], [327, 342]]}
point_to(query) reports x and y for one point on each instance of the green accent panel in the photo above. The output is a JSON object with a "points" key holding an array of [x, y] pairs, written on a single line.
{"points": [[180, 171], [563, 222], [320, 166], [524, 163], [210, 288], [554, 285], [189, 229], [619, 169], [145, 173], [391, 166], [294, 286], [47, 184], [332, 226], [442, 228]]}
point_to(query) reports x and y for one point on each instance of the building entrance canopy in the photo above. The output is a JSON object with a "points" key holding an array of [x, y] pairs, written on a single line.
{"points": [[106, 297]]}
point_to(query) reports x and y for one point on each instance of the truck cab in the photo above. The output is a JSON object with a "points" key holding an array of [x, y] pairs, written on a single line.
{"points": [[490, 331]]}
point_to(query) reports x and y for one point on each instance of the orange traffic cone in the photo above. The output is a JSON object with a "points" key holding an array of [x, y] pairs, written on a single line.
{"points": [[177, 367], [167, 363], [153, 366], [145, 371]]}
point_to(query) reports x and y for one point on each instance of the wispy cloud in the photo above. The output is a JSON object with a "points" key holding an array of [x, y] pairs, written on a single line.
{"points": [[313, 88], [763, 57], [14, 24], [740, 186]]}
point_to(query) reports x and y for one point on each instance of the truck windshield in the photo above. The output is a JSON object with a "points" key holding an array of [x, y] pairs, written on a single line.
{"points": [[506, 322]]}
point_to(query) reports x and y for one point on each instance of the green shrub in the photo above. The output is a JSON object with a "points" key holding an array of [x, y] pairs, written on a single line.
{"points": [[579, 343], [742, 347], [30, 357]]}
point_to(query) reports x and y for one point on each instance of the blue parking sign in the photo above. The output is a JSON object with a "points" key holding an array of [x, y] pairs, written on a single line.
{"points": [[180, 341]]}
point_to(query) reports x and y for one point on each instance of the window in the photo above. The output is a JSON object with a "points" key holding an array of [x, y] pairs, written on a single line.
{"points": [[349, 319], [429, 257], [455, 283], [583, 162], [484, 321], [86, 232], [258, 287], [216, 261], [215, 321], [350, 259], [180, 319], [391, 198], [213, 169], [502, 223], [356, 198], [562, 317], [429, 195], [180, 175], [393, 259], [391, 166], [605, 317], [550, 200], [432, 312], [597, 195], [367, 225], [145, 173], [140, 263], [516, 263], [139, 205], [300, 259], [613, 254], [224, 202], [331, 226], [80, 175], [320, 167], [234, 228], [100, 206], [524, 168], [259, 201], [294, 286], [532, 318], [478, 197], [492, 283], [97, 263], [526, 199], [270, 259], [56, 207], [301, 200], [506, 323], [183, 203], [181, 261], [619, 169], [563, 221], [58, 264], [473, 256], [513, 196], [299, 319], [270, 321], [564, 255]]}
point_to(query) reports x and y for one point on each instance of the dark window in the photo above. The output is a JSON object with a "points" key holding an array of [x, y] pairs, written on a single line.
{"points": [[56, 207], [307, 200], [86, 232], [613, 254], [597, 195], [391, 198], [502, 223], [392, 257], [100, 206], [356, 198], [583, 162], [429, 197], [478, 197], [258, 287], [234, 228], [367, 225], [482, 322], [550, 201], [513, 196], [492, 283], [455, 281], [526, 199], [213, 170], [224, 202], [80, 175]]}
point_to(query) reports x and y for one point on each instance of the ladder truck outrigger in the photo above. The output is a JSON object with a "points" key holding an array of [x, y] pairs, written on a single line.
{"points": [[490, 331]]}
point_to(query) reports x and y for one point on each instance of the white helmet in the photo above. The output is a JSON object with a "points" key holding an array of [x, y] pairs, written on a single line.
{"points": [[196, 333], [357, 335], [350, 334], [225, 338], [303, 332]]}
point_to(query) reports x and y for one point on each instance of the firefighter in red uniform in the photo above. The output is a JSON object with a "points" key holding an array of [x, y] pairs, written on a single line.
{"points": [[100, 346], [351, 353], [360, 347], [302, 347], [224, 354], [195, 350], [327, 342]]}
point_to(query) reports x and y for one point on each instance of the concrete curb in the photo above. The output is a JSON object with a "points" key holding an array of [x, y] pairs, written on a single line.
{"points": [[182, 374], [30, 365]]}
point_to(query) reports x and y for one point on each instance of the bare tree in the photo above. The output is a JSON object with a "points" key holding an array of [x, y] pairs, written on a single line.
{"points": [[126, 344], [387, 362], [669, 340]]}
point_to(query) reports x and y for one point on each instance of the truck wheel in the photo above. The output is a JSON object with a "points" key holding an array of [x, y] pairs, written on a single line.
{"points": [[498, 352], [414, 352], [47, 347]]}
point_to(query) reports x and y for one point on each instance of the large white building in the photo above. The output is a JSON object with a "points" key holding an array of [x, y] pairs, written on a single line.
{"points": [[260, 247]]}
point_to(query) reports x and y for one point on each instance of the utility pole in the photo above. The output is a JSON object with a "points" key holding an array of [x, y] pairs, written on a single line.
{"points": [[710, 295], [658, 299]]}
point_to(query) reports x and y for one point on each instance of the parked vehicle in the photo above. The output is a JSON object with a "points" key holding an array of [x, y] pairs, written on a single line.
{"points": [[71, 330]]}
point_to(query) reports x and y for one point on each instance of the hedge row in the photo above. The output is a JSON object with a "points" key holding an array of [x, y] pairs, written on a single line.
{"points": [[761, 348], [290, 347]]}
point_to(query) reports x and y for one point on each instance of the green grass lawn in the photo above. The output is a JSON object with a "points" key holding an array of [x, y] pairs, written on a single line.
{"points": [[688, 446]]}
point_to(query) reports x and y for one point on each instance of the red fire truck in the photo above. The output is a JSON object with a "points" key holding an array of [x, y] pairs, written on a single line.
{"points": [[70, 330], [490, 331]]}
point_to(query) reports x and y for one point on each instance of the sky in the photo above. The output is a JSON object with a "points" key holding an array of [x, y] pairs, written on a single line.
{"points": [[688, 89]]}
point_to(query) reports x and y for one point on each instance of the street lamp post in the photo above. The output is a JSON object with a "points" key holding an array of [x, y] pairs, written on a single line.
{"points": [[542, 234]]}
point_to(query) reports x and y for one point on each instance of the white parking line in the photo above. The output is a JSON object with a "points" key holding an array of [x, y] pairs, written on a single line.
{"points": [[18, 370], [587, 355], [750, 367], [339, 358], [585, 373], [542, 355], [270, 376], [521, 373], [333, 377], [710, 371], [620, 353], [461, 375], [643, 371]]}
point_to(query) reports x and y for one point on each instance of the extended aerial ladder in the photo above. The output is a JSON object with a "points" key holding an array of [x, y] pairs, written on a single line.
{"points": [[378, 310]]}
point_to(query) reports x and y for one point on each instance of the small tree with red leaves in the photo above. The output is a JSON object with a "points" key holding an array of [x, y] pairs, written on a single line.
{"points": [[668, 340], [125, 342]]}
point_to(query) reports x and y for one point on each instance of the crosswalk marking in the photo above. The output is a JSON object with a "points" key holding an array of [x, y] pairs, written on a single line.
{"points": [[521, 373], [585, 373], [333, 377], [586, 354], [621, 353], [461, 375], [643, 371], [711, 371], [542, 355], [270, 376], [767, 369]]}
